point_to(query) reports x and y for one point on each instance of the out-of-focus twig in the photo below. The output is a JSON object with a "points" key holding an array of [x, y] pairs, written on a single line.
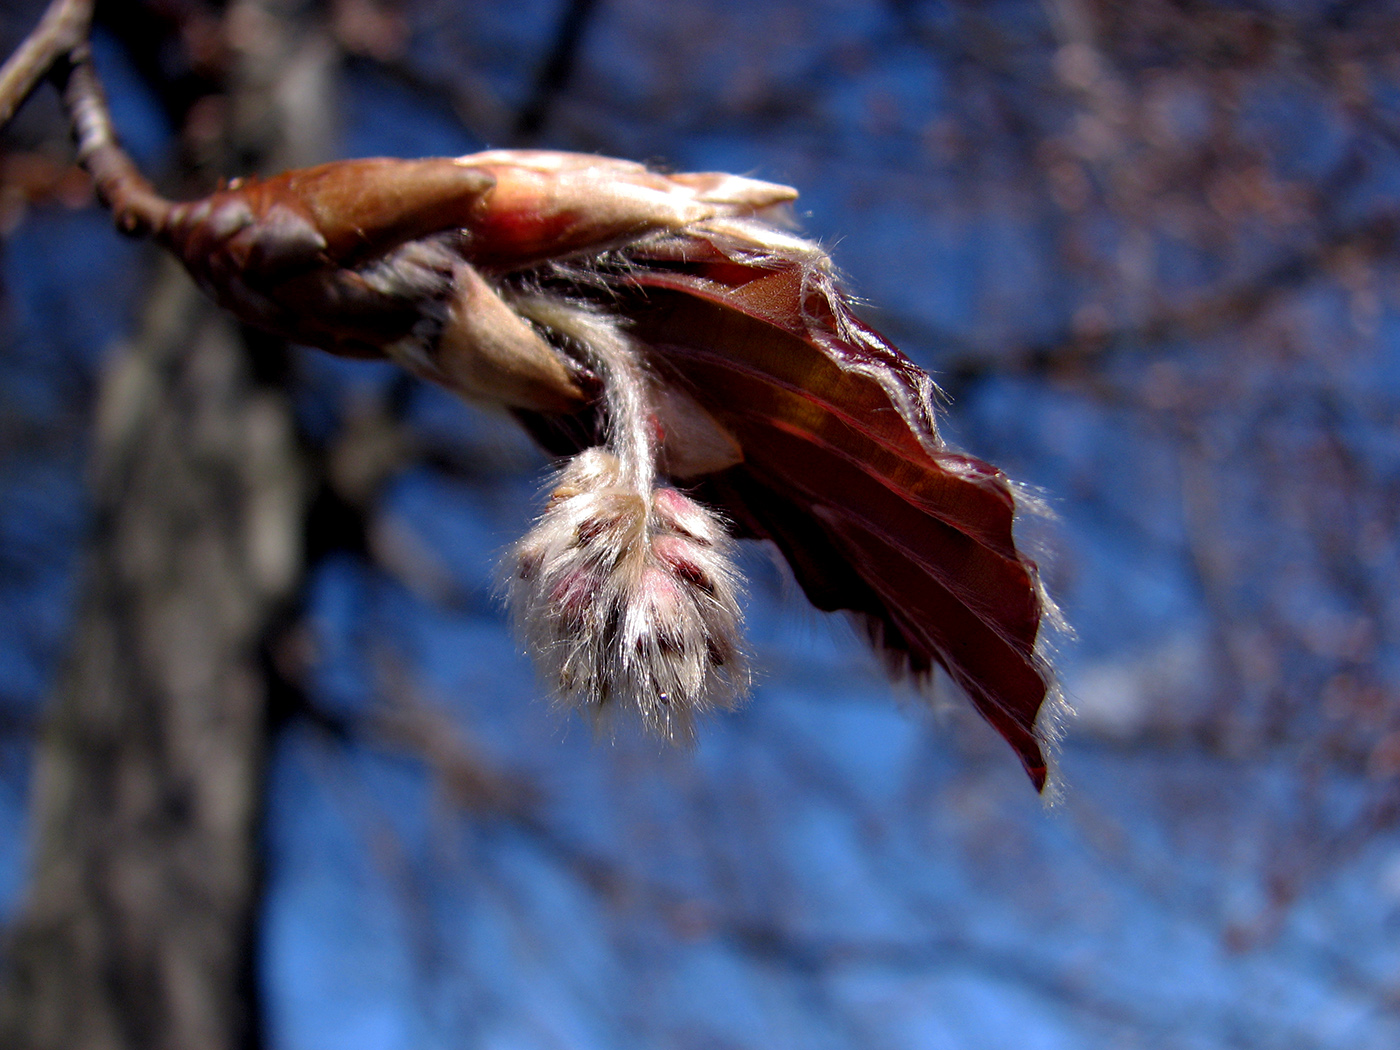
{"points": [[63, 28], [136, 207], [557, 69], [58, 46], [1070, 353]]}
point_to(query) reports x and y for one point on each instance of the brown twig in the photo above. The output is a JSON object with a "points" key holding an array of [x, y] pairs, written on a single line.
{"points": [[136, 208], [63, 28], [58, 47]]}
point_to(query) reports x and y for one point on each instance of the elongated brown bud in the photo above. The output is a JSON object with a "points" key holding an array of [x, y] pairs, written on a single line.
{"points": [[546, 205], [485, 351]]}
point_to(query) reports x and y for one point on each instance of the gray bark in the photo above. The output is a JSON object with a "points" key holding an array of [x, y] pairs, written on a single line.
{"points": [[137, 924], [137, 929]]}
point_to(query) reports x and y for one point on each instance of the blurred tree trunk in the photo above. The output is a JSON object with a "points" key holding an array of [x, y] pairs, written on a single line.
{"points": [[139, 924]]}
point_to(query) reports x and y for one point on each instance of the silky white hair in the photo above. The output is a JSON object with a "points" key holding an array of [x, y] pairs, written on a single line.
{"points": [[625, 591]]}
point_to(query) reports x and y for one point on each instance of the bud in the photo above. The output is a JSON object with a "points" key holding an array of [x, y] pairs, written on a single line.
{"points": [[628, 599], [712, 346]]}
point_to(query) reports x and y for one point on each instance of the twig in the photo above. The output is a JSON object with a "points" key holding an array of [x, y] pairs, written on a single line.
{"points": [[557, 69], [62, 29], [58, 47], [136, 208]]}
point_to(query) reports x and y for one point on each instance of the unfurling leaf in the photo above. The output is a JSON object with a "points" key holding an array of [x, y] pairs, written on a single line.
{"points": [[655, 327]]}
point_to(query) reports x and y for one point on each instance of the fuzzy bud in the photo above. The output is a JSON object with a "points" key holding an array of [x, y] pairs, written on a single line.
{"points": [[629, 599]]}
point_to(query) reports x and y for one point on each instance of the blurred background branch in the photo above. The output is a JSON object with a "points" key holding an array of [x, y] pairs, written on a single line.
{"points": [[63, 28]]}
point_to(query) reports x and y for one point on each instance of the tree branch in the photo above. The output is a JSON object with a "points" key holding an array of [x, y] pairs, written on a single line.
{"points": [[136, 207], [63, 28], [58, 47], [557, 69]]}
